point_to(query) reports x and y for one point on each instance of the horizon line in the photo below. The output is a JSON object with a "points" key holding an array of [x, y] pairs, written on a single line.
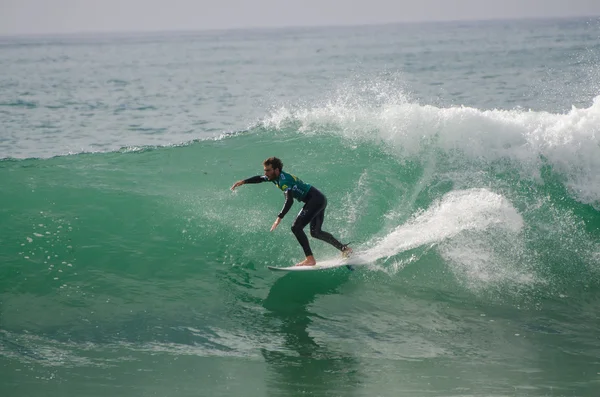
{"points": [[299, 26]]}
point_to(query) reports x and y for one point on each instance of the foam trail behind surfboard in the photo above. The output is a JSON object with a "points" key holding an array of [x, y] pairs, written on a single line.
{"points": [[458, 211]]}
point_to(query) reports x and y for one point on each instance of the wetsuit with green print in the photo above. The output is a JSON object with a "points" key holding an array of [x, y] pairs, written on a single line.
{"points": [[313, 211]]}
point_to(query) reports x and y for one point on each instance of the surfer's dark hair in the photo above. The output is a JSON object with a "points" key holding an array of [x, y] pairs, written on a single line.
{"points": [[274, 162]]}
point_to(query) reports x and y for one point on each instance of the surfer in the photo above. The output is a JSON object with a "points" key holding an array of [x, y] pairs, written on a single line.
{"points": [[313, 211]]}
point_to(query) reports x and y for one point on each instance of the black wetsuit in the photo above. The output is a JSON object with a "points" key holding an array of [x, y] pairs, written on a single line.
{"points": [[313, 211]]}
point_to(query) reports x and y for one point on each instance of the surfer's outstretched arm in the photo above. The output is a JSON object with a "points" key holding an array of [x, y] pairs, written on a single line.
{"points": [[254, 179]]}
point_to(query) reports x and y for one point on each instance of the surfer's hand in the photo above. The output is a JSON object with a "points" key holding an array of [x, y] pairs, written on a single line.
{"points": [[276, 223], [238, 183]]}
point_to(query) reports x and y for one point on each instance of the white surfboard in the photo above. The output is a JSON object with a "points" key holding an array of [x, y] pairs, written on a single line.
{"points": [[352, 262]]}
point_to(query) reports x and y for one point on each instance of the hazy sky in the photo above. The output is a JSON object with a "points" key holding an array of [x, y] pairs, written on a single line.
{"points": [[66, 16]]}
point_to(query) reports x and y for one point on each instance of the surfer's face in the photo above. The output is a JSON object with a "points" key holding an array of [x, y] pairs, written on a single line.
{"points": [[271, 173]]}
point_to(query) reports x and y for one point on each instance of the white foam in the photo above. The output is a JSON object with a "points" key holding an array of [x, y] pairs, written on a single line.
{"points": [[458, 211], [484, 260], [458, 225], [569, 142]]}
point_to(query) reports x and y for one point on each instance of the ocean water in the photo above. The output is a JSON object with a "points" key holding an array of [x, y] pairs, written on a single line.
{"points": [[461, 159]]}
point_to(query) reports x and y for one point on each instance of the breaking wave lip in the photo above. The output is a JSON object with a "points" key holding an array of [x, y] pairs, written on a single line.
{"points": [[568, 142]]}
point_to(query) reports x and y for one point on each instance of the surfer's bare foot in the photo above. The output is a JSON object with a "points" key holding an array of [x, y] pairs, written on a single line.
{"points": [[346, 251], [309, 261]]}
